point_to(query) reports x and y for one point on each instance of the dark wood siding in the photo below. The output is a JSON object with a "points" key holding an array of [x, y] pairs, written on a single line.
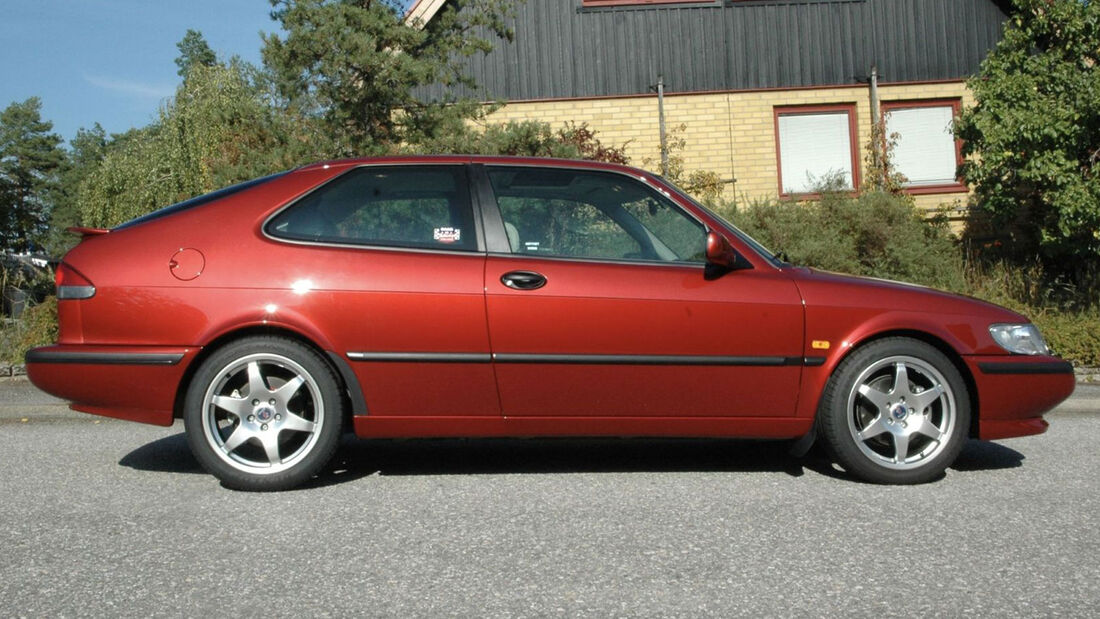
{"points": [[563, 51]]}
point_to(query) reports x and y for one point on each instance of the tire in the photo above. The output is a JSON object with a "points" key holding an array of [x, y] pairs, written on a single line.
{"points": [[896, 411], [264, 413]]}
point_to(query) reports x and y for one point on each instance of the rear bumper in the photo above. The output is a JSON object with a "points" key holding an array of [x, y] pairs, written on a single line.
{"points": [[137, 383], [1015, 391]]}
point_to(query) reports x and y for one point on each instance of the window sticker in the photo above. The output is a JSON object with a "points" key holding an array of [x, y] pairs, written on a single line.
{"points": [[447, 235]]}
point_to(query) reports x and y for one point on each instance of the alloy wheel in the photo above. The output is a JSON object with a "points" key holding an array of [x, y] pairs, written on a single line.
{"points": [[901, 412], [263, 413]]}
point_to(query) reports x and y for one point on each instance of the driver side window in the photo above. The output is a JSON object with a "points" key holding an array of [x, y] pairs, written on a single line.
{"points": [[564, 228], [596, 215]]}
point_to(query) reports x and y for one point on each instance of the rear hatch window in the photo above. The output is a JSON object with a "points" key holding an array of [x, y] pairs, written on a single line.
{"points": [[205, 198]]}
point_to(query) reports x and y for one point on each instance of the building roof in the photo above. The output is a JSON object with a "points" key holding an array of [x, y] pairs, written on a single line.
{"points": [[424, 10], [561, 51]]}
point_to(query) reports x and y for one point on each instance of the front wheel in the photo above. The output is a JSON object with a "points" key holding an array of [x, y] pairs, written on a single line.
{"points": [[896, 412], [264, 413]]}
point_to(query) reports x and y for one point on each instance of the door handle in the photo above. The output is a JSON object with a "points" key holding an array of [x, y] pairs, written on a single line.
{"points": [[523, 280]]}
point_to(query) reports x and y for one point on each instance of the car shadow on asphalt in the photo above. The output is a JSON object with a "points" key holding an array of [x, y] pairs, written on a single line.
{"points": [[362, 458], [166, 455], [558, 456], [987, 456]]}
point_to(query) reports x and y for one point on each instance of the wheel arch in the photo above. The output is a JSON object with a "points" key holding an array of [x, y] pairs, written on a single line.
{"points": [[940, 345], [349, 384]]}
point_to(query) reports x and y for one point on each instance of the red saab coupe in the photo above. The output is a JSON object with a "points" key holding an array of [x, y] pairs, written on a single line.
{"points": [[480, 297]]}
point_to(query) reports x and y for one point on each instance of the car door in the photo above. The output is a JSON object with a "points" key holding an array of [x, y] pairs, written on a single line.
{"points": [[392, 267], [598, 306]]}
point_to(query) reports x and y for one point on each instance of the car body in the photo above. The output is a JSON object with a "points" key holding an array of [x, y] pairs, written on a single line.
{"points": [[479, 297]]}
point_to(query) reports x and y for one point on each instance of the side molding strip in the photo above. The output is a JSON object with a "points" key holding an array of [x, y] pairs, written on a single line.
{"points": [[421, 357], [103, 358], [560, 359], [644, 359]]}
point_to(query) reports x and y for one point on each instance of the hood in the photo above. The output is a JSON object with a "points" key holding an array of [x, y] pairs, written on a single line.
{"points": [[836, 289]]}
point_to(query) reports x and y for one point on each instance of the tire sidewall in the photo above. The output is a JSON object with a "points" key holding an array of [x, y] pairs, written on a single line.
{"points": [[327, 438], [833, 413]]}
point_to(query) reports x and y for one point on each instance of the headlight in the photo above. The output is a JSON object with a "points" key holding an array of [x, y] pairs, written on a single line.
{"points": [[1020, 339]]}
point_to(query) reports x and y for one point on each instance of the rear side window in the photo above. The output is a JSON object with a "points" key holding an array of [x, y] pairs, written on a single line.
{"points": [[420, 207]]}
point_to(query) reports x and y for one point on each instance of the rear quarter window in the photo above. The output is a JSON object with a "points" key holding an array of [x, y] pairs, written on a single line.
{"points": [[419, 207]]}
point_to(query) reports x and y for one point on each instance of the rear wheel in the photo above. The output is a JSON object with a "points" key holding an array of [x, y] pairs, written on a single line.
{"points": [[896, 411], [264, 413]]}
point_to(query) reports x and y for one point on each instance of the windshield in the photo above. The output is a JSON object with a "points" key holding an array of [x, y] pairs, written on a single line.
{"points": [[198, 201], [732, 229]]}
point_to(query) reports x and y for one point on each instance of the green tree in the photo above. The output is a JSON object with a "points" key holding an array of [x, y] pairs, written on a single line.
{"points": [[219, 129], [1034, 133], [529, 138], [194, 51], [357, 64], [30, 156], [86, 153]]}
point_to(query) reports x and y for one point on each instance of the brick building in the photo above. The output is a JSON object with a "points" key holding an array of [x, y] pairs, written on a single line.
{"points": [[773, 94]]}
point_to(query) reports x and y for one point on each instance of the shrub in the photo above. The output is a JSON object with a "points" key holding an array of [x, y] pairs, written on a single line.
{"points": [[876, 234], [37, 327], [1069, 321], [1075, 336]]}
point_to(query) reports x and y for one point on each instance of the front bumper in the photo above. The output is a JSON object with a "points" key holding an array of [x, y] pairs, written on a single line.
{"points": [[136, 383], [1014, 391]]}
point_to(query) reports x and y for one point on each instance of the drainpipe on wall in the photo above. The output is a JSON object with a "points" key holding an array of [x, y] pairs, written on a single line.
{"points": [[878, 147], [732, 182], [661, 120]]}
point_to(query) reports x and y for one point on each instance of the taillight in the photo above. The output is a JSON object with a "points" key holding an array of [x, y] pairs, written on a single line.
{"points": [[72, 285]]}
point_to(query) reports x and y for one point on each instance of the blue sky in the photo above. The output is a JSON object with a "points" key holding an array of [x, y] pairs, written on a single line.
{"points": [[111, 61]]}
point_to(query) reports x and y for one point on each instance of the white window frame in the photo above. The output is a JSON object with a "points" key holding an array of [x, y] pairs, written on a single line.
{"points": [[794, 155], [949, 151]]}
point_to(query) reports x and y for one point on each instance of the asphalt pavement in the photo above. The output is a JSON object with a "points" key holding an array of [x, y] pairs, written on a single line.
{"points": [[102, 517]]}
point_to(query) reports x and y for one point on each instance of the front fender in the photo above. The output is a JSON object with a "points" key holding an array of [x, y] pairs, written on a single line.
{"points": [[845, 329]]}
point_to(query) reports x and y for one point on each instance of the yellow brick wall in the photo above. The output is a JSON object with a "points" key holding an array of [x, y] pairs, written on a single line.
{"points": [[731, 134]]}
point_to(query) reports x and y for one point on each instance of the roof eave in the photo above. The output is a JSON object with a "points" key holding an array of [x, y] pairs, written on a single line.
{"points": [[423, 10]]}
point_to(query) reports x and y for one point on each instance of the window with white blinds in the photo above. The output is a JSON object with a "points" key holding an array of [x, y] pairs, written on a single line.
{"points": [[925, 146], [815, 147]]}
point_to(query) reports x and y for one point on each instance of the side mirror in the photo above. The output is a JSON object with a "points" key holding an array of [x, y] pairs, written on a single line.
{"points": [[722, 257], [719, 251]]}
